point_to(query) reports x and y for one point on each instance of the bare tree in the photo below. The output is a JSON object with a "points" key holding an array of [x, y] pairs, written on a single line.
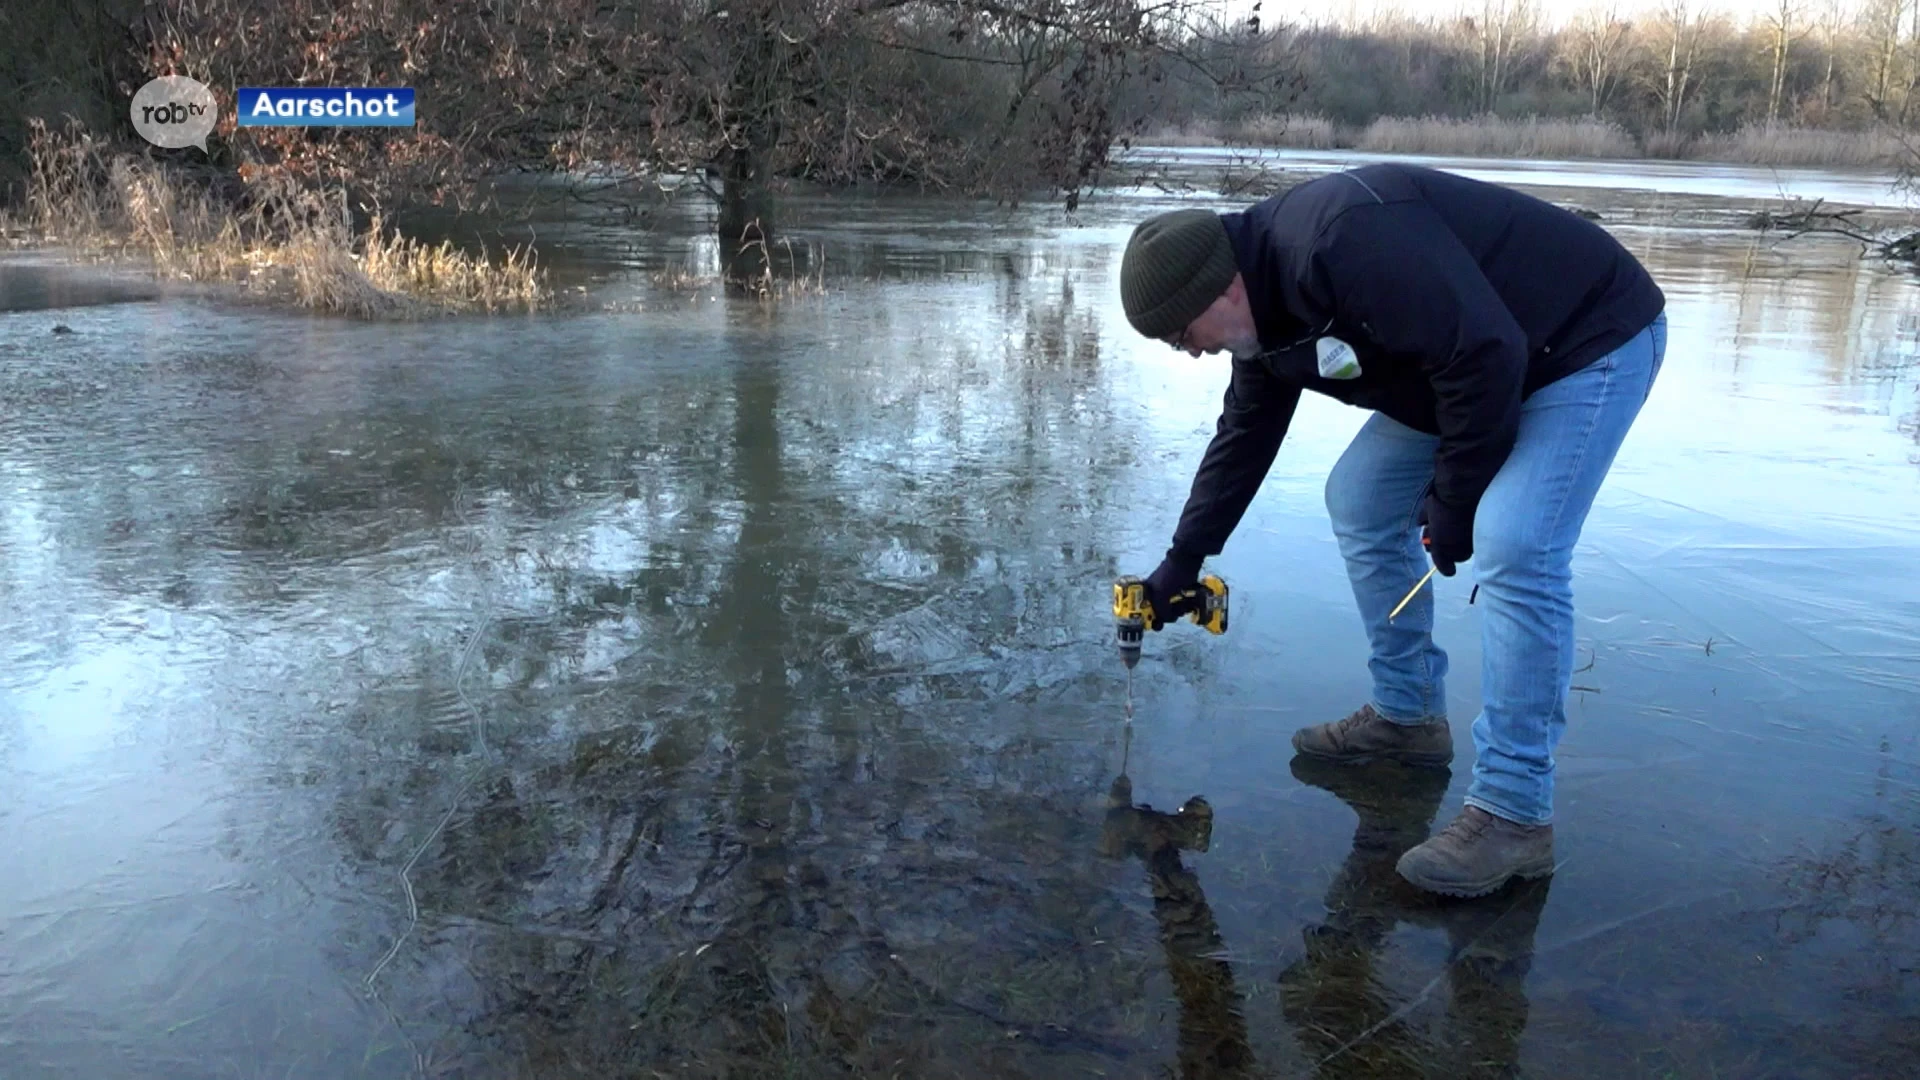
{"points": [[1504, 32], [1677, 29], [1833, 19], [1009, 98], [1595, 48], [1913, 64], [1782, 23], [1881, 20], [739, 95]]}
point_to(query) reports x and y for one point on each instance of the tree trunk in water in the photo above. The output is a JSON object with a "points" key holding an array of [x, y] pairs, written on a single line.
{"points": [[746, 226]]}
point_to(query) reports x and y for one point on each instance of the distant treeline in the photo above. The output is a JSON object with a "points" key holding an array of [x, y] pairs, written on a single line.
{"points": [[1677, 78], [999, 97]]}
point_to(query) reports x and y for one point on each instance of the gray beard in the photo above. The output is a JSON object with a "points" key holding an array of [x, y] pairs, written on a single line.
{"points": [[1245, 349]]}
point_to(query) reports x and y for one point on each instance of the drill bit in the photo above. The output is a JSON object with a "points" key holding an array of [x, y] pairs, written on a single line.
{"points": [[1129, 697], [1411, 593]]}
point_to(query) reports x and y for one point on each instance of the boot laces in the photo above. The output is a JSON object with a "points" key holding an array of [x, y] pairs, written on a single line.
{"points": [[1468, 826], [1356, 721]]}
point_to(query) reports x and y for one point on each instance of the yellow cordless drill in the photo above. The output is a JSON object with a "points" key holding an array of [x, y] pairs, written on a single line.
{"points": [[1205, 605]]}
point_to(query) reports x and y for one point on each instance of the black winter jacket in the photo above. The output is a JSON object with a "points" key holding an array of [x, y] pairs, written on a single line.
{"points": [[1458, 298]]}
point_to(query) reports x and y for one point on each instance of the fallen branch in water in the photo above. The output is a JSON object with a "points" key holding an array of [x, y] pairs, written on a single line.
{"points": [[1901, 246], [1811, 218]]}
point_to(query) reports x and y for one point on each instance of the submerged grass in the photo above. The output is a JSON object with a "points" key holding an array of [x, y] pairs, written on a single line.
{"points": [[14, 232], [274, 240], [761, 271]]}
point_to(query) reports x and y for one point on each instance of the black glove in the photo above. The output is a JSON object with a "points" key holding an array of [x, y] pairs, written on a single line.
{"points": [[1446, 533], [1176, 573]]}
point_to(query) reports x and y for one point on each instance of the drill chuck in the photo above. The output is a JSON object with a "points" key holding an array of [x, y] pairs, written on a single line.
{"points": [[1128, 638]]}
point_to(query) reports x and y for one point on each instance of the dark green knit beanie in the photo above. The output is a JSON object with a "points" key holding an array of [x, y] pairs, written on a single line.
{"points": [[1176, 265]]}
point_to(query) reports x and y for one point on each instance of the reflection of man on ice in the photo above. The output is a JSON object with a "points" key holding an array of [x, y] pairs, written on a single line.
{"points": [[1213, 1030], [1334, 996]]}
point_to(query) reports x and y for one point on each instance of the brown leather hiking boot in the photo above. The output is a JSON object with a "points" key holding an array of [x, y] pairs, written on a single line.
{"points": [[1367, 736], [1478, 853]]}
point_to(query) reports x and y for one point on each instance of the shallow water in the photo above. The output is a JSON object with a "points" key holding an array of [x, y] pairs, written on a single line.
{"points": [[734, 687]]}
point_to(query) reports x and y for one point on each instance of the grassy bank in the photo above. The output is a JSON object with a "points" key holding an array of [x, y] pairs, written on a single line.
{"points": [[274, 241], [1549, 138]]}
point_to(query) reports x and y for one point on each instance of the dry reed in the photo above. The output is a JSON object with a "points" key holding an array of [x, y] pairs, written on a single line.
{"points": [[281, 242], [1551, 138], [1532, 137], [1279, 130], [1782, 145]]}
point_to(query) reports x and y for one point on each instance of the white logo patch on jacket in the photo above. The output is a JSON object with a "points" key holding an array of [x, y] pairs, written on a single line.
{"points": [[1336, 359]]}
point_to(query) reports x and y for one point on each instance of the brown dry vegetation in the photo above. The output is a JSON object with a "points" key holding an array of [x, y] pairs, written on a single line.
{"points": [[1883, 148], [743, 98], [286, 243], [1495, 137], [1538, 137]]}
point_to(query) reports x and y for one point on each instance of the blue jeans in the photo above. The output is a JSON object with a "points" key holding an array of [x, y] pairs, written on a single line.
{"points": [[1523, 536]]}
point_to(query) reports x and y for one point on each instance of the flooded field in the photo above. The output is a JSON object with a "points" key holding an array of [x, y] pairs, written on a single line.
{"points": [[697, 687]]}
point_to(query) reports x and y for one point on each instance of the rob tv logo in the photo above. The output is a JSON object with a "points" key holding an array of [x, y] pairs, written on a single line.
{"points": [[175, 111]]}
